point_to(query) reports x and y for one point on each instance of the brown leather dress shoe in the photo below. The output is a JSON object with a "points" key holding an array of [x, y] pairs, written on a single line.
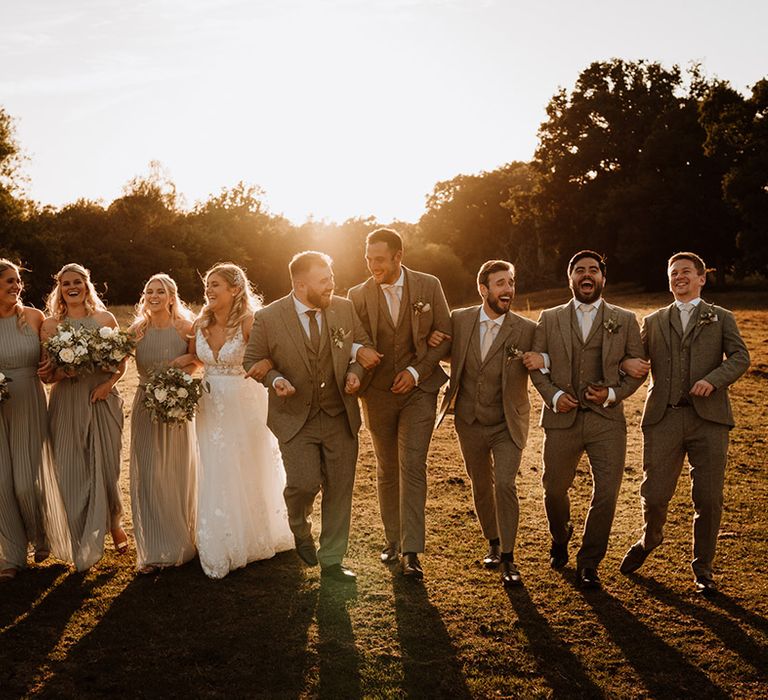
{"points": [[587, 578], [493, 558], [412, 567], [390, 554], [705, 585], [305, 549], [338, 573], [634, 558], [558, 552]]}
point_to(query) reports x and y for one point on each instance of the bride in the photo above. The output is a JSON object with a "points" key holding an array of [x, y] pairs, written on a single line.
{"points": [[241, 514]]}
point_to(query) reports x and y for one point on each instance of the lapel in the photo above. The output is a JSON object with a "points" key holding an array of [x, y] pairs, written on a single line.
{"points": [[501, 337], [371, 296], [468, 339], [674, 320], [330, 321], [597, 322], [605, 312], [564, 315], [293, 327], [664, 321], [693, 321], [511, 331], [413, 288]]}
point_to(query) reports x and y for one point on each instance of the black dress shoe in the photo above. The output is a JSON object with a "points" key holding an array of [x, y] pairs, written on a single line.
{"points": [[558, 552], [510, 576], [493, 558], [339, 573], [634, 558], [390, 554], [588, 578], [306, 551], [412, 567], [705, 585]]}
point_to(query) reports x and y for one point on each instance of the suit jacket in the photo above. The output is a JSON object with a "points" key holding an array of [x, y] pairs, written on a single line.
{"points": [[621, 338], [516, 334], [717, 354], [429, 311], [277, 334]]}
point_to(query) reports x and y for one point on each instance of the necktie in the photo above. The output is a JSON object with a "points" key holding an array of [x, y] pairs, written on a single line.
{"points": [[314, 329], [394, 302], [586, 320], [491, 329], [685, 314]]}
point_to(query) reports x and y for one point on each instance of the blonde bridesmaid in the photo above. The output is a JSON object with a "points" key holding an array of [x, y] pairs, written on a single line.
{"points": [[163, 456], [25, 467], [86, 423]]}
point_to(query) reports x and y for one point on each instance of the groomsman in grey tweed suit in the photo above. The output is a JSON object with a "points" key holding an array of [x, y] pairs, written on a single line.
{"points": [[696, 353], [583, 343], [399, 309], [308, 336], [488, 392]]}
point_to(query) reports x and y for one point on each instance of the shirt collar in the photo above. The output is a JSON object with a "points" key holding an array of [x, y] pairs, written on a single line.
{"points": [[300, 307], [693, 302], [595, 304], [400, 280], [485, 317]]}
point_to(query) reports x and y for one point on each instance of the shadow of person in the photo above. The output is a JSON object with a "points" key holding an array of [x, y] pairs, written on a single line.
{"points": [[19, 595], [339, 658], [559, 666], [655, 661], [180, 634], [27, 643], [430, 666], [703, 611]]}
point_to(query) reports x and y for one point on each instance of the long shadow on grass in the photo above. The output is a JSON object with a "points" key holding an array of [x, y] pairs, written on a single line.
{"points": [[180, 634], [339, 658], [27, 641], [732, 636], [18, 596], [663, 669], [430, 666], [556, 662]]}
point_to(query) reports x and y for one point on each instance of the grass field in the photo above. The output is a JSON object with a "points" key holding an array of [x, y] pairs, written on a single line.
{"points": [[272, 629]]}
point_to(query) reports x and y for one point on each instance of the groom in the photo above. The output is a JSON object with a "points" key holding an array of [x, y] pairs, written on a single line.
{"points": [[308, 336]]}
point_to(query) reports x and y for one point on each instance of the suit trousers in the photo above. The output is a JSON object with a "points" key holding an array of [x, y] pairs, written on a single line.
{"points": [[321, 456], [492, 460], [679, 433], [605, 442], [401, 428]]}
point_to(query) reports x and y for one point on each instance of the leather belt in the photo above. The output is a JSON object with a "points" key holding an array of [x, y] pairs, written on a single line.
{"points": [[683, 403]]}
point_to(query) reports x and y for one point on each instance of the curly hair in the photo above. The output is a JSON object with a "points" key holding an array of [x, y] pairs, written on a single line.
{"points": [[55, 305], [244, 304], [6, 264], [179, 310]]}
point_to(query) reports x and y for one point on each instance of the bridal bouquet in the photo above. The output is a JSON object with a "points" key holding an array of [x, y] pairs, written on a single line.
{"points": [[68, 349], [171, 395], [4, 394], [108, 347]]}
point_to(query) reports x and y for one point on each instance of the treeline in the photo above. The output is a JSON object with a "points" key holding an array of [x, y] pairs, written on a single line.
{"points": [[636, 161]]}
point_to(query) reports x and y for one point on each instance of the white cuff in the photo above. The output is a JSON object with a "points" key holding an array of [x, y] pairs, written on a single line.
{"points": [[414, 373], [555, 398], [611, 398], [355, 348], [545, 368]]}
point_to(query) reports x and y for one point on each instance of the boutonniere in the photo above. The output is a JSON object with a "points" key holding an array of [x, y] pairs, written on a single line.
{"points": [[337, 336], [420, 307], [707, 316], [612, 324], [513, 353]]}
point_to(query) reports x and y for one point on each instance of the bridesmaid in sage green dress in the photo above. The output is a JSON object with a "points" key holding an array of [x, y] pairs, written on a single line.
{"points": [[163, 456], [25, 467], [86, 423]]}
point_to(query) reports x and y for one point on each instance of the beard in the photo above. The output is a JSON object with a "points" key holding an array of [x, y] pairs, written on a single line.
{"points": [[318, 300], [500, 307], [587, 296]]}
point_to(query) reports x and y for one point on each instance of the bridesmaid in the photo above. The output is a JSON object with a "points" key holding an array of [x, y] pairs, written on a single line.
{"points": [[86, 422], [163, 457], [24, 446]]}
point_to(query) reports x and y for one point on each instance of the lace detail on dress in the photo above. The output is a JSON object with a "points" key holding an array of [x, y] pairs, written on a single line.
{"points": [[230, 360]]}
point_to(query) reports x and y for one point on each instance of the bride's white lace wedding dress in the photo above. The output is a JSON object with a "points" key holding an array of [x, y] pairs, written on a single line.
{"points": [[241, 514]]}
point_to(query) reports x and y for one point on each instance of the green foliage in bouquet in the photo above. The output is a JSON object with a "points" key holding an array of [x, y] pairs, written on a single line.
{"points": [[171, 395]]}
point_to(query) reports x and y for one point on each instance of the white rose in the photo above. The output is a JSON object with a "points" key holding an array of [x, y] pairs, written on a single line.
{"points": [[2, 377], [79, 350], [182, 392], [65, 336], [67, 355], [106, 332], [187, 378], [161, 394]]}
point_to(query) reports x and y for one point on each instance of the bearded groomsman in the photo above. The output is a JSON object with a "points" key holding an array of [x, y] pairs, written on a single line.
{"points": [[489, 395], [399, 309], [583, 343], [696, 353]]}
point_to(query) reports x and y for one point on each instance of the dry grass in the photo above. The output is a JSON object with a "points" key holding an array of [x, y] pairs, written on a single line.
{"points": [[273, 630]]}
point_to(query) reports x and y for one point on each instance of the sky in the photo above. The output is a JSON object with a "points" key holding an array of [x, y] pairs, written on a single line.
{"points": [[336, 108]]}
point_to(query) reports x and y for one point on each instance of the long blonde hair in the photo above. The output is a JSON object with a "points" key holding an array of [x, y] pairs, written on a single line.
{"points": [[244, 304], [55, 305], [178, 309], [6, 264]]}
